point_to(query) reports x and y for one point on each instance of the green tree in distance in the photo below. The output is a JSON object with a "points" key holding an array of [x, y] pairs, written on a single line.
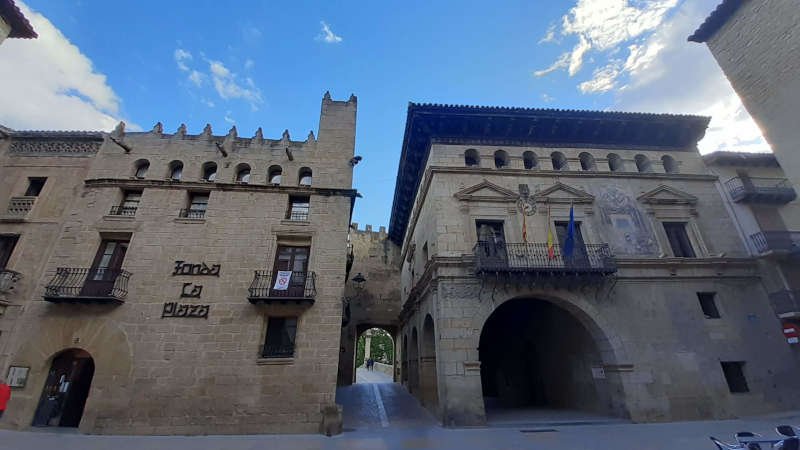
{"points": [[381, 347]]}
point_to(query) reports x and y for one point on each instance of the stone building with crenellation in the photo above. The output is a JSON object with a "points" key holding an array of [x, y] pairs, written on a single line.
{"points": [[174, 283]]}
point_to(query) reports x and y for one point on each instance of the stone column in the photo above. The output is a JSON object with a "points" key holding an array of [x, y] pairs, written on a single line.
{"points": [[367, 345]]}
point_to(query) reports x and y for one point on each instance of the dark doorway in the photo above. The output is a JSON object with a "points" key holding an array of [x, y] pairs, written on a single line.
{"points": [[65, 390], [535, 355], [294, 260], [491, 243], [105, 269]]}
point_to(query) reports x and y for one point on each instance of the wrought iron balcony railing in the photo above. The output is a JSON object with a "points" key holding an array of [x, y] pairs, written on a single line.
{"points": [[300, 287], [277, 351], [87, 285], [534, 258], [8, 278], [189, 213], [20, 206], [785, 302], [782, 241], [123, 210], [761, 190]]}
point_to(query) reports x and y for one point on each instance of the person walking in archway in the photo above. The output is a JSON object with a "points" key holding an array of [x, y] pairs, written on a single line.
{"points": [[5, 395]]}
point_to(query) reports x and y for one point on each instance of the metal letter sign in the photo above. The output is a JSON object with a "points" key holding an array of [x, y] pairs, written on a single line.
{"points": [[190, 290]]}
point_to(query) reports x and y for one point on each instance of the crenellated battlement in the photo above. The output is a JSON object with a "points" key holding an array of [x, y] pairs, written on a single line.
{"points": [[368, 229]]}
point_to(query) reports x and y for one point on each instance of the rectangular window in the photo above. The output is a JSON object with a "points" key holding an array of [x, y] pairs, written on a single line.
{"points": [[679, 240], [198, 203], [7, 244], [35, 186], [734, 375], [298, 207], [105, 269], [129, 205], [279, 342], [708, 304]]}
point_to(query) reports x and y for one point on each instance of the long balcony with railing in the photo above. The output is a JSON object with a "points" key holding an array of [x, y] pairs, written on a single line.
{"points": [[776, 241], [282, 287], [277, 351], [535, 258], [785, 303], [87, 285], [761, 190], [190, 213], [19, 207]]}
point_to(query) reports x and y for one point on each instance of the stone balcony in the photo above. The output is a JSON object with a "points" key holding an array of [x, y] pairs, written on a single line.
{"points": [[19, 207], [785, 242], [786, 303]]}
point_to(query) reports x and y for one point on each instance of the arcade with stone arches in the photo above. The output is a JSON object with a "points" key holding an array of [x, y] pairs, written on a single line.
{"points": [[534, 355]]}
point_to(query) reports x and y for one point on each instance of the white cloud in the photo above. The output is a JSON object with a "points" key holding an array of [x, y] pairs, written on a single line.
{"points": [[228, 118], [668, 74], [602, 25], [49, 83], [561, 62], [181, 58], [225, 83], [249, 64], [547, 98], [227, 87], [549, 36], [327, 35], [602, 80], [197, 78]]}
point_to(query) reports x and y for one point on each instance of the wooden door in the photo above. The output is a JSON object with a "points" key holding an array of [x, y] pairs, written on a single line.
{"points": [[294, 259], [104, 271], [65, 390]]}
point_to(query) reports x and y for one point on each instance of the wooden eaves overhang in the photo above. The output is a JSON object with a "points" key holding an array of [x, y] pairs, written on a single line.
{"points": [[481, 125]]}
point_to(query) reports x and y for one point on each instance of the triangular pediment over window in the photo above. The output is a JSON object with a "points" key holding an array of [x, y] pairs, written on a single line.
{"points": [[665, 195], [487, 192], [563, 193]]}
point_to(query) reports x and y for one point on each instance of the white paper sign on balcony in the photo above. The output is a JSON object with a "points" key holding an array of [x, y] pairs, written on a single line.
{"points": [[282, 280]]}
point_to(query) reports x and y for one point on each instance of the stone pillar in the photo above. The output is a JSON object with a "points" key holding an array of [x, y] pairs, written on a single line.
{"points": [[367, 345]]}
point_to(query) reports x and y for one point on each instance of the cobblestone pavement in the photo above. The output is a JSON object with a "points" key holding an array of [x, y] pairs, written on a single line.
{"points": [[384, 416]]}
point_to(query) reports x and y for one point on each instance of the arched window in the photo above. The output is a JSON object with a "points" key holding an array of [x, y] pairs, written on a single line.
{"points": [[529, 160], [142, 166], [304, 176], [472, 158], [243, 173], [209, 171], [274, 175], [559, 161], [587, 161], [175, 170], [670, 165], [615, 163], [500, 159], [643, 164]]}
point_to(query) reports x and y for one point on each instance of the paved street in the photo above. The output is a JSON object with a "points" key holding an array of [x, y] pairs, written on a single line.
{"points": [[383, 415]]}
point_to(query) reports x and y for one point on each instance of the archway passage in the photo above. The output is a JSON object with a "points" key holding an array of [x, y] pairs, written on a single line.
{"points": [[65, 390], [537, 356], [374, 357], [427, 367]]}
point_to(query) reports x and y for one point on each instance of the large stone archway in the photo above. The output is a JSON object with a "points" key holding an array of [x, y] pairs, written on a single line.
{"points": [[536, 354], [413, 363]]}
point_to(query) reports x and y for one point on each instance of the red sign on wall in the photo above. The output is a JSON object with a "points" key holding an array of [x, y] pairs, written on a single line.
{"points": [[791, 332]]}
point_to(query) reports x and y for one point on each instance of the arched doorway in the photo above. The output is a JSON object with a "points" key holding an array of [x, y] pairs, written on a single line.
{"points": [[404, 369], [65, 389], [375, 344], [428, 382], [537, 355]]}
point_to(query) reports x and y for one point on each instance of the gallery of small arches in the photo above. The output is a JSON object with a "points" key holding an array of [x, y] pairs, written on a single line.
{"points": [[535, 354], [243, 173], [614, 163], [418, 352], [66, 388]]}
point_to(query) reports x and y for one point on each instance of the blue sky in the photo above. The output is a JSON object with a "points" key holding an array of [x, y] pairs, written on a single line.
{"points": [[267, 64]]}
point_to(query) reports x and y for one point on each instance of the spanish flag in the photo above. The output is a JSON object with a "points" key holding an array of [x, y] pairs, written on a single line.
{"points": [[551, 249], [524, 228]]}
